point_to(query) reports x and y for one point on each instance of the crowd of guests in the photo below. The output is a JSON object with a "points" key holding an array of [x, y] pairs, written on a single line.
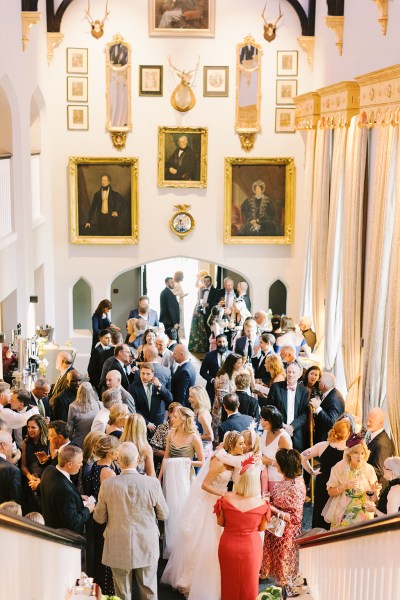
{"points": [[138, 442]]}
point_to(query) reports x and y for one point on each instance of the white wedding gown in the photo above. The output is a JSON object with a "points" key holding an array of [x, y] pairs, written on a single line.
{"points": [[193, 567]]}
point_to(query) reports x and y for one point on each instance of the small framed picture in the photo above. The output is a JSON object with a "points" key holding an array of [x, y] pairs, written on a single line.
{"points": [[77, 117], [286, 90], [286, 63], [284, 120], [77, 60], [150, 80], [195, 18], [216, 81], [77, 89]]}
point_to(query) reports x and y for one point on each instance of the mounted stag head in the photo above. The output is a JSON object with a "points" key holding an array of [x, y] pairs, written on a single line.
{"points": [[97, 26], [183, 98], [270, 28]]}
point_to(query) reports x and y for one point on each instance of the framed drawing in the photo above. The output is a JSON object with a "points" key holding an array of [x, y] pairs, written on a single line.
{"points": [[284, 120], [259, 200], [216, 81], [104, 200], [286, 63], [150, 80], [182, 157], [77, 89], [77, 117], [286, 90], [77, 60], [182, 18]]}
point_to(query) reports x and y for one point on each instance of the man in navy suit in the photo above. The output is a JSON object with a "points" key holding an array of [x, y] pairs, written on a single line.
{"points": [[328, 408], [212, 362], [184, 377], [235, 421], [248, 344], [248, 405], [292, 401], [145, 312], [151, 398]]}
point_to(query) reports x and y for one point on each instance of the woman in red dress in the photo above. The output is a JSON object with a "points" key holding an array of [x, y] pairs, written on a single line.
{"points": [[287, 497], [243, 514]]}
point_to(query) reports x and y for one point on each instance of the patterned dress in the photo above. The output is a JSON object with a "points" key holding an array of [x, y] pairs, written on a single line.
{"points": [[223, 385], [280, 554]]}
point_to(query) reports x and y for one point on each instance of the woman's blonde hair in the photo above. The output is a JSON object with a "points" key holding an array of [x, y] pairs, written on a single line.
{"points": [[274, 366], [230, 440], [135, 431], [187, 416], [105, 445], [116, 412], [202, 398], [249, 484], [339, 432], [85, 398], [251, 439], [133, 323], [349, 451], [89, 445]]}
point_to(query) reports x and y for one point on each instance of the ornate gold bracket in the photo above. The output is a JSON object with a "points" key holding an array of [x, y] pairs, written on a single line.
{"points": [[247, 141], [307, 43], [118, 139], [54, 39], [28, 18], [337, 24], [383, 14]]}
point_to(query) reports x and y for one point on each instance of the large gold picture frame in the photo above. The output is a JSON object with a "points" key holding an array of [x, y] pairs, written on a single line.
{"points": [[104, 200], [259, 200], [182, 157], [194, 19]]}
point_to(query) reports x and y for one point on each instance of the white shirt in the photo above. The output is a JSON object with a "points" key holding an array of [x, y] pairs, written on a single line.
{"points": [[15, 420], [100, 421], [64, 472], [3, 456], [290, 406]]}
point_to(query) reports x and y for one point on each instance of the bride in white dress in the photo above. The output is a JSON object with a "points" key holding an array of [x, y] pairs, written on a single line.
{"points": [[193, 567]]}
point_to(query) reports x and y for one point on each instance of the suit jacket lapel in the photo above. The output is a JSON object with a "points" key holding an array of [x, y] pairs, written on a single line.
{"points": [[284, 404]]}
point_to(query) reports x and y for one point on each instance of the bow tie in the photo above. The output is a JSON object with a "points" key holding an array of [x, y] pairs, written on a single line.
{"points": [[160, 355], [291, 387]]}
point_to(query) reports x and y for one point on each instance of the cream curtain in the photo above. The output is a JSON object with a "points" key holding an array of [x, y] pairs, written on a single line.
{"points": [[393, 349], [306, 301], [356, 156], [379, 238], [333, 306], [319, 233]]}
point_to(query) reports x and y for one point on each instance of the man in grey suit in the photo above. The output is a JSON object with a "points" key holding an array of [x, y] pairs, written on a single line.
{"points": [[130, 504]]}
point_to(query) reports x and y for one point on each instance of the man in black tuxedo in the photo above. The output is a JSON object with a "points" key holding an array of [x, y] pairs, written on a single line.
{"points": [[328, 408], [151, 398], [108, 212], [184, 377], [62, 401], [212, 362], [379, 443], [182, 164], [169, 307], [235, 421], [208, 299], [62, 506], [248, 405], [10, 475], [39, 396], [267, 341], [94, 368], [292, 401], [64, 362], [120, 362]]}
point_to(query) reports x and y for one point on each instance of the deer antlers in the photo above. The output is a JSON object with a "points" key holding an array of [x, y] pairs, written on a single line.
{"points": [[185, 76], [279, 17], [97, 25], [270, 28]]}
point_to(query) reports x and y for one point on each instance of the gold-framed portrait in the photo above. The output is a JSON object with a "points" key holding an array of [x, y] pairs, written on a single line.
{"points": [[182, 18], [259, 200], [104, 200], [182, 157]]}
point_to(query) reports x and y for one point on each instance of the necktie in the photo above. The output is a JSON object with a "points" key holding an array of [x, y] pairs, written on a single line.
{"points": [[250, 349], [40, 406], [126, 371], [148, 394]]}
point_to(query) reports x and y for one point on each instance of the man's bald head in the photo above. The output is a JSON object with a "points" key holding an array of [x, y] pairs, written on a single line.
{"points": [[375, 419]]}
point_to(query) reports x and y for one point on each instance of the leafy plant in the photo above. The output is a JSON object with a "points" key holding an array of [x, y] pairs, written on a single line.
{"points": [[270, 593]]}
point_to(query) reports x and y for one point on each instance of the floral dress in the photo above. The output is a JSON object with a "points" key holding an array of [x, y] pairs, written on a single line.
{"points": [[280, 554], [223, 385]]}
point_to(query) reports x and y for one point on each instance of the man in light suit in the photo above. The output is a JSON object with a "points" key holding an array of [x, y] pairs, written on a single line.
{"points": [[129, 504], [379, 443], [151, 398], [113, 382], [184, 377], [165, 356], [328, 408], [145, 312], [292, 401], [212, 362]]}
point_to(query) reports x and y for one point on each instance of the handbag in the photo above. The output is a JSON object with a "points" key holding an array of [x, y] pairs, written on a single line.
{"points": [[276, 525]]}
